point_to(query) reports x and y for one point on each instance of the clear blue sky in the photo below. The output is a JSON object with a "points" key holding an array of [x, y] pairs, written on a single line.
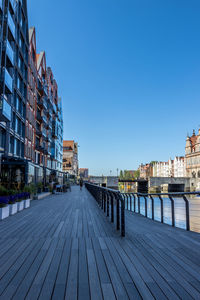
{"points": [[128, 72]]}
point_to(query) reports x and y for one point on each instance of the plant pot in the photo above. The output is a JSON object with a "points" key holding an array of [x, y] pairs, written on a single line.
{"points": [[13, 209], [27, 203], [4, 212], [20, 205]]}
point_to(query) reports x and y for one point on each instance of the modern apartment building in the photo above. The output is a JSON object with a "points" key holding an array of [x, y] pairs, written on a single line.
{"points": [[70, 157], [13, 89], [31, 121]]}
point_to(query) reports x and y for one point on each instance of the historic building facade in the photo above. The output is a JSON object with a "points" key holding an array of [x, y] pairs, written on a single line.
{"points": [[70, 157], [192, 155]]}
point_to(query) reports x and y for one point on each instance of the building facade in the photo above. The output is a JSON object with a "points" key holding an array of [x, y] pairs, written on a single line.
{"points": [[146, 171], [70, 157], [31, 121], [192, 155], [83, 173], [13, 90], [171, 168]]}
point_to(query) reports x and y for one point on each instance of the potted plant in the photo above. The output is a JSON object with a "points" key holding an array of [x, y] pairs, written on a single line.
{"points": [[28, 190], [12, 202], [4, 208], [4, 199], [20, 201], [39, 187]]}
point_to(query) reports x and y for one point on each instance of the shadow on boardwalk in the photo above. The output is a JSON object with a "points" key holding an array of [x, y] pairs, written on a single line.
{"points": [[63, 247]]}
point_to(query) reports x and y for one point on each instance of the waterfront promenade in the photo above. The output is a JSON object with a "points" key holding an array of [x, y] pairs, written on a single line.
{"points": [[64, 247]]}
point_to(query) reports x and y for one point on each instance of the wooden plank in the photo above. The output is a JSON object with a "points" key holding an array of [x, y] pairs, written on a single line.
{"points": [[19, 276], [41, 274], [30, 275], [61, 280], [72, 281], [94, 281], [83, 275]]}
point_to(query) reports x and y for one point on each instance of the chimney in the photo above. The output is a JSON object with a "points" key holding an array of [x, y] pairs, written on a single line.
{"points": [[193, 132]]}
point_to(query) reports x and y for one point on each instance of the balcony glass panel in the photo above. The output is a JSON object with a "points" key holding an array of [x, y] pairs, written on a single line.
{"points": [[5, 110], [11, 24], [8, 80], [13, 4], [10, 52]]}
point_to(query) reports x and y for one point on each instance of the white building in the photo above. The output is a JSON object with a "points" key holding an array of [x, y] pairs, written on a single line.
{"points": [[171, 168]]}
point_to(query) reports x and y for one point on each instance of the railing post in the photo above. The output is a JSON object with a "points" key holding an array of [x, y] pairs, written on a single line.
{"points": [[134, 197], [104, 202], [187, 212], [101, 199], [138, 204], [152, 206], [122, 215], [117, 212], [145, 200], [173, 211], [112, 207], [161, 209], [130, 204], [108, 206]]}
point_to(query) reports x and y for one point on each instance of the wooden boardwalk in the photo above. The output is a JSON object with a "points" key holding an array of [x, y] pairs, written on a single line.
{"points": [[63, 247]]}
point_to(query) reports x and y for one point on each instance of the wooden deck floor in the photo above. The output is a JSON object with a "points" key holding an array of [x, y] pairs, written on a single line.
{"points": [[64, 248]]}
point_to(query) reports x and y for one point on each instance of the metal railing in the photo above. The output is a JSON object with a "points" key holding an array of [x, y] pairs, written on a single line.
{"points": [[111, 202], [134, 199]]}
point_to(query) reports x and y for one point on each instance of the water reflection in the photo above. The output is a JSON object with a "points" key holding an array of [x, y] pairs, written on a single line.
{"points": [[180, 216]]}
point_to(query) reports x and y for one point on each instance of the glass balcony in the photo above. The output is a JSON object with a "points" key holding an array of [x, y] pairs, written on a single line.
{"points": [[11, 24], [10, 52], [44, 133], [8, 80], [54, 107], [5, 110], [13, 4], [44, 119]]}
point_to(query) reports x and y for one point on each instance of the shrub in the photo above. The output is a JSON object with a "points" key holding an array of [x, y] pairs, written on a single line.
{"points": [[3, 191]]}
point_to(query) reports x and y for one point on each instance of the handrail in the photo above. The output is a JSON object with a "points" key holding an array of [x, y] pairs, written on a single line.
{"points": [[108, 199], [160, 197]]}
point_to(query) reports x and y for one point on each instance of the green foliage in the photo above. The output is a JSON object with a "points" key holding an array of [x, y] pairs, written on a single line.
{"points": [[3, 191], [137, 174], [39, 185], [153, 162], [30, 189], [12, 192], [129, 175]]}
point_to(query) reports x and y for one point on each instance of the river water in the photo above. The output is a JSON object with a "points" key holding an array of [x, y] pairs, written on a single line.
{"points": [[180, 217]]}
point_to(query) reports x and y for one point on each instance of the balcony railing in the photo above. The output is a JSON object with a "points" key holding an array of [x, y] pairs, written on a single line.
{"points": [[5, 110], [13, 4], [10, 52], [8, 80], [11, 24], [44, 119]]}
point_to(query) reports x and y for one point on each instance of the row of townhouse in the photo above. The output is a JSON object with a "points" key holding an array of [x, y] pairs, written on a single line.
{"points": [[31, 123], [171, 168]]}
